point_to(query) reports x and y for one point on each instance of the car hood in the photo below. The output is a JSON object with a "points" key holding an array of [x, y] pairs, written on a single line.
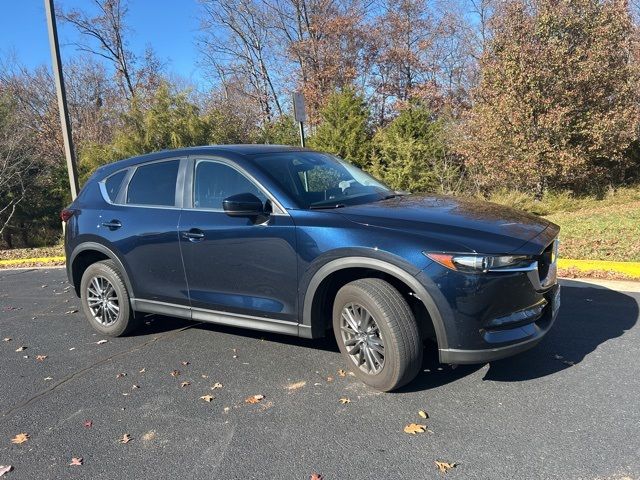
{"points": [[461, 224]]}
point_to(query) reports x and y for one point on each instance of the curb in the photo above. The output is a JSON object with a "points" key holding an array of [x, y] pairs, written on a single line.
{"points": [[631, 270], [21, 261]]}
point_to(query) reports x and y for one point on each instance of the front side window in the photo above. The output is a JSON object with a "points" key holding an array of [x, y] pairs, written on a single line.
{"points": [[320, 180], [215, 181], [154, 184]]}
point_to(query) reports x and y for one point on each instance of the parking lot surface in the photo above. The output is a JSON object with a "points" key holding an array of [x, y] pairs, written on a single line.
{"points": [[567, 409]]}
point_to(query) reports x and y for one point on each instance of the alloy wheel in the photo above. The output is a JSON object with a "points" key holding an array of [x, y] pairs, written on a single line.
{"points": [[103, 301], [362, 338]]}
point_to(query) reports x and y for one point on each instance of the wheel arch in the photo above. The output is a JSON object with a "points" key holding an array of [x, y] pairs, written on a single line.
{"points": [[312, 326], [88, 253]]}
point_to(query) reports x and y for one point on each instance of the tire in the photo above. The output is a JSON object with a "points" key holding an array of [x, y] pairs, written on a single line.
{"points": [[103, 274], [395, 326]]}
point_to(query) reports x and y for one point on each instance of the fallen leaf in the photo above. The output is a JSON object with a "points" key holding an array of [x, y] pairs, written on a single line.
{"points": [[254, 399], [423, 414], [120, 375], [5, 469], [444, 467], [7, 339], [226, 409], [21, 349], [88, 424], [175, 373], [40, 358], [149, 436], [142, 371], [46, 379], [414, 428], [296, 386], [185, 363], [76, 462], [134, 387], [216, 386], [185, 384], [207, 398], [126, 438], [344, 400], [100, 342], [20, 438], [315, 476], [342, 373], [204, 376], [329, 379]]}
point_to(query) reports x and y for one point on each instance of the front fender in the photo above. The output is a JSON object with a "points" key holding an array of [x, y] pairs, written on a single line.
{"points": [[407, 273]]}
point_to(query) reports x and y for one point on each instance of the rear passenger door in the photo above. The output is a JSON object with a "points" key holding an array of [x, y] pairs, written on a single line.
{"points": [[142, 224]]}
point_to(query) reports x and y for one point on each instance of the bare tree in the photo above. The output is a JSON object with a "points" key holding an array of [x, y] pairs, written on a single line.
{"points": [[105, 36], [16, 160], [236, 44]]}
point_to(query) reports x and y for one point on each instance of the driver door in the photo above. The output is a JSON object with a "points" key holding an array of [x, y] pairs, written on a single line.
{"points": [[237, 265]]}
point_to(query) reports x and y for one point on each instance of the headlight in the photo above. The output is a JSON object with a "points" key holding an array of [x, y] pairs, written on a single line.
{"points": [[473, 263]]}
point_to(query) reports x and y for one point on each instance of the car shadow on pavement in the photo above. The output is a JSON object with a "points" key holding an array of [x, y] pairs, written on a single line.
{"points": [[588, 318], [156, 324]]}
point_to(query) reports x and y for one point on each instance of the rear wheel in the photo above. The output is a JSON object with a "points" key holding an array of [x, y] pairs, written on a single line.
{"points": [[105, 300], [377, 333]]}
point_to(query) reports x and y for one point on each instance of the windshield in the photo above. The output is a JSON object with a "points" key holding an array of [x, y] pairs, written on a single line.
{"points": [[320, 180]]}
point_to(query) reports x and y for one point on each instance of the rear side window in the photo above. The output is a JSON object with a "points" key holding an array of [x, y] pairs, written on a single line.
{"points": [[113, 184], [154, 184]]}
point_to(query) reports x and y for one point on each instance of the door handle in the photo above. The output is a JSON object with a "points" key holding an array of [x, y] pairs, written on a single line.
{"points": [[112, 225], [193, 235]]}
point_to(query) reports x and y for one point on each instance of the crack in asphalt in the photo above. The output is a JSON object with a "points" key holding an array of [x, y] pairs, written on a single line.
{"points": [[84, 370]]}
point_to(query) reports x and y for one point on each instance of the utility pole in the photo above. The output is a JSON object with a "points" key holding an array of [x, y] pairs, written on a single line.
{"points": [[62, 98]]}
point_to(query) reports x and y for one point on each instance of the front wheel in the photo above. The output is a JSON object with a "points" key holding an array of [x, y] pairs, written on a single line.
{"points": [[105, 300], [377, 333]]}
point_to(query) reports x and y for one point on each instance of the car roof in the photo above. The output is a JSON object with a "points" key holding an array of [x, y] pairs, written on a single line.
{"points": [[240, 149]]}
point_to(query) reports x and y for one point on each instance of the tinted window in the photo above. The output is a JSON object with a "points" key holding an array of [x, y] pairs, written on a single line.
{"points": [[154, 184], [318, 180], [113, 184], [216, 181]]}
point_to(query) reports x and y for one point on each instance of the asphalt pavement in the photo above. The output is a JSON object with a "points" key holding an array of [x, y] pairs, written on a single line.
{"points": [[567, 409]]}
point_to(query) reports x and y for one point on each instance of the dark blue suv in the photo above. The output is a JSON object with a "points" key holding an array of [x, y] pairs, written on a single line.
{"points": [[294, 241]]}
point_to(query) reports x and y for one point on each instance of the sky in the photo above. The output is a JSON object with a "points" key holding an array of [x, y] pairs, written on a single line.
{"points": [[169, 26]]}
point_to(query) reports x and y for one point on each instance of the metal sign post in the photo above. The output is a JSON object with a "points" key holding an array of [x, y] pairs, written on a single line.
{"points": [[62, 98], [300, 114]]}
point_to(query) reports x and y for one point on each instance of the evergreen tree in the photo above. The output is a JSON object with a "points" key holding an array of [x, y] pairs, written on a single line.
{"points": [[410, 153], [344, 129]]}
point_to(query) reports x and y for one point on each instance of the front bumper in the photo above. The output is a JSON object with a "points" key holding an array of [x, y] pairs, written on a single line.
{"points": [[529, 335]]}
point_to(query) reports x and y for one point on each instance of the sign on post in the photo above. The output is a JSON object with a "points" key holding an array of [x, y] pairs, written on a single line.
{"points": [[299, 113]]}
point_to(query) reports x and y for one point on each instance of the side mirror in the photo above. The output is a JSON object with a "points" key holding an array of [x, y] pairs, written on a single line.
{"points": [[243, 205]]}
